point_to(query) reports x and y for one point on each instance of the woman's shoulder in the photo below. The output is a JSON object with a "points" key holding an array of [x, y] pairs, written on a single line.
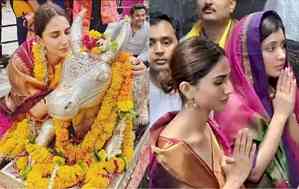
{"points": [[16, 63], [23, 56], [158, 129], [183, 165]]}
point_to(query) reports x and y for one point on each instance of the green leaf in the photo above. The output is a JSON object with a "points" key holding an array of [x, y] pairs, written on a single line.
{"points": [[114, 46], [25, 172], [97, 157], [83, 165], [124, 159]]}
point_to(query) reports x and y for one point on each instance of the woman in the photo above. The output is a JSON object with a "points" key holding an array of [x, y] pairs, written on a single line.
{"points": [[265, 98], [34, 68], [27, 88], [185, 144]]}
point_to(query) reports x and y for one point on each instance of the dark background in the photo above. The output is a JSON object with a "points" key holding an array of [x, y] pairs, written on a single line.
{"points": [[184, 11]]}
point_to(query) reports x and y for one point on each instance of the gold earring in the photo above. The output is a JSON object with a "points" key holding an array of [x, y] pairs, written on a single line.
{"points": [[195, 104], [191, 104]]}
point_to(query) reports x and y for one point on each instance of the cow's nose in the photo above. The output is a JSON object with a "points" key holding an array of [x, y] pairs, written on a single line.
{"points": [[68, 105]]}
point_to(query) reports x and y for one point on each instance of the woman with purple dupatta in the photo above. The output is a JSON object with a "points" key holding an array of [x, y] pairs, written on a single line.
{"points": [[186, 150], [265, 99]]}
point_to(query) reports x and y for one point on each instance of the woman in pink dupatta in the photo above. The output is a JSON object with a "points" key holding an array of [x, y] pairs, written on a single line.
{"points": [[186, 145], [27, 91], [261, 101]]}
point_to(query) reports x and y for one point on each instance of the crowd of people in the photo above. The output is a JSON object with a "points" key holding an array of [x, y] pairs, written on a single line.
{"points": [[223, 99], [245, 97]]}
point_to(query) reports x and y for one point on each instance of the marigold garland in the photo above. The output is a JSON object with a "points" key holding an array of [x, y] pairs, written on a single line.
{"points": [[117, 102], [40, 64], [40, 68], [128, 141], [98, 173], [38, 176], [22, 163], [117, 165], [102, 127], [57, 76], [39, 154], [16, 139], [68, 176], [125, 104], [118, 99]]}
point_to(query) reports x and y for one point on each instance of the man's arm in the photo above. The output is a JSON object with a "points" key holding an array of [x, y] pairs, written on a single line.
{"points": [[144, 53], [113, 29]]}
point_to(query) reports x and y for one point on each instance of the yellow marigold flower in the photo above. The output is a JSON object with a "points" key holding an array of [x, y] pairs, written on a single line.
{"points": [[41, 183], [120, 164], [102, 155], [7, 148], [98, 182], [129, 154], [110, 166], [125, 106], [39, 153], [95, 170], [94, 34], [57, 76], [99, 144], [35, 176], [22, 162], [128, 140], [123, 56], [96, 50], [40, 66], [15, 140], [18, 148], [59, 160], [68, 175]]}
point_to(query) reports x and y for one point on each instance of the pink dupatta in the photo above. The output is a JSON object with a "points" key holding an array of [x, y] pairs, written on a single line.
{"points": [[26, 91], [250, 105]]}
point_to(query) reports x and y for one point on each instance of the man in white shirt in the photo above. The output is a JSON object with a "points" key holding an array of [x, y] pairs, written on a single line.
{"points": [[163, 40], [136, 41]]}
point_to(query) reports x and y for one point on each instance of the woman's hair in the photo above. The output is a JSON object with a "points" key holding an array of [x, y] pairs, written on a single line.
{"points": [[43, 16], [193, 59], [293, 57], [270, 23]]}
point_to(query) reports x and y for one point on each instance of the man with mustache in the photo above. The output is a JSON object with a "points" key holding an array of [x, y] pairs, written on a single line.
{"points": [[215, 20], [163, 40]]}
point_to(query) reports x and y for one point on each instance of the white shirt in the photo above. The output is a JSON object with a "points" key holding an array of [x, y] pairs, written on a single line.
{"points": [[161, 103], [136, 43]]}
